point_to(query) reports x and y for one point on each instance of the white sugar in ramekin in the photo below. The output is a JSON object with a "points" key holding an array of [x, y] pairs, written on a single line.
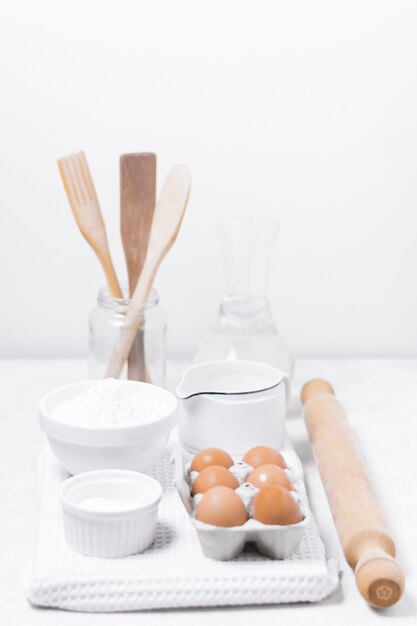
{"points": [[110, 533]]}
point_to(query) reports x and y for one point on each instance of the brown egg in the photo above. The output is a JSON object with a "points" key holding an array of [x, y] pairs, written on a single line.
{"points": [[275, 505], [213, 477], [211, 456], [269, 475], [262, 455], [221, 506]]}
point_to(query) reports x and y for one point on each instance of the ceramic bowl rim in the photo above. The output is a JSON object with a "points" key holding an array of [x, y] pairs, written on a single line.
{"points": [[116, 476], [120, 435]]}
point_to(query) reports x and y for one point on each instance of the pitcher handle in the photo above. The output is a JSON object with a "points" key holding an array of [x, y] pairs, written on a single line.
{"points": [[287, 383]]}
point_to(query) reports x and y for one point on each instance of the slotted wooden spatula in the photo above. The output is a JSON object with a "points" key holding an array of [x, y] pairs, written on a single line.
{"points": [[169, 213], [137, 207], [84, 203]]}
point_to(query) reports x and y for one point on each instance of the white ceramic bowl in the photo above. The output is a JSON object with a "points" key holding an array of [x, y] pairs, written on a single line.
{"points": [[87, 448], [110, 513]]}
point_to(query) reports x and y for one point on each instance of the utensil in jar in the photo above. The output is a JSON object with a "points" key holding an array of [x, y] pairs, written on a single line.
{"points": [[169, 213], [84, 203], [137, 207], [367, 544]]}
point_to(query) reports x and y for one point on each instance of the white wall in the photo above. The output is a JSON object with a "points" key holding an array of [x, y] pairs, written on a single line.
{"points": [[302, 110]]}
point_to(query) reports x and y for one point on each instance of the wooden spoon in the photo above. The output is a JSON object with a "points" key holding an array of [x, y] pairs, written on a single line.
{"points": [[84, 203], [137, 207], [169, 213]]}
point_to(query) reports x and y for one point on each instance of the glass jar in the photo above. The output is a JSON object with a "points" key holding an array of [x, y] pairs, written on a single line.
{"points": [[147, 359]]}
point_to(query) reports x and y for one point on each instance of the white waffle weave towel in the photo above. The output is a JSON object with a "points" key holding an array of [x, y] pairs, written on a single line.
{"points": [[173, 572]]}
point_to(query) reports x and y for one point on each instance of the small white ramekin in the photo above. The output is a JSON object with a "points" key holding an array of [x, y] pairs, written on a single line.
{"points": [[111, 533]]}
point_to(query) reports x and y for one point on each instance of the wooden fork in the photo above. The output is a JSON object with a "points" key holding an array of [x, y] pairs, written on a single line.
{"points": [[84, 203]]}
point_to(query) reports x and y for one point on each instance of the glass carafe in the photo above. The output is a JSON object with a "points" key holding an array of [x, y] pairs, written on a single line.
{"points": [[244, 327]]}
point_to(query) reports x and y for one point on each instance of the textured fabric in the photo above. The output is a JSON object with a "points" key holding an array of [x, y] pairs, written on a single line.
{"points": [[173, 572]]}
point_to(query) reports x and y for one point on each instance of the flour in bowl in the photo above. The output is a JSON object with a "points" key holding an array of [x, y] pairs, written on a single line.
{"points": [[109, 402]]}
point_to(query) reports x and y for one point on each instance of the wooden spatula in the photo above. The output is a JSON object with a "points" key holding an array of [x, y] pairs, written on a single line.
{"points": [[169, 213], [84, 203], [137, 207]]}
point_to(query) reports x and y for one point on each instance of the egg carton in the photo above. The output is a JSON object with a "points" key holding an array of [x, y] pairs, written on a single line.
{"points": [[223, 544]]}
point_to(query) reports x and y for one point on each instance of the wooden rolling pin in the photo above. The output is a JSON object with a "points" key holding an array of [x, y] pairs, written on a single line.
{"points": [[364, 535]]}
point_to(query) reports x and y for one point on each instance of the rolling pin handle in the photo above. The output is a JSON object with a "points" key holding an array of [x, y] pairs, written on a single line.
{"points": [[379, 578], [315, 387]]}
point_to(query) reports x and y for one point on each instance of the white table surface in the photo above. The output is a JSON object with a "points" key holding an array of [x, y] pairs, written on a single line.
{"points": [[380, 397]]}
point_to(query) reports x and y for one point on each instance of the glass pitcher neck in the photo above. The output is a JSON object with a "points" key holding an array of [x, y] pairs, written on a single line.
{"points": [[246, 244], [245, 312]]}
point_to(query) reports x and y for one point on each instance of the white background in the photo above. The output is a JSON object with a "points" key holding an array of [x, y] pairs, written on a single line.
{"points": [[301, 110]]}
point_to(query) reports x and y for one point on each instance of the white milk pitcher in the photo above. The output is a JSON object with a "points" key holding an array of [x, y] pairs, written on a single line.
{"points": [[234, 405]]}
